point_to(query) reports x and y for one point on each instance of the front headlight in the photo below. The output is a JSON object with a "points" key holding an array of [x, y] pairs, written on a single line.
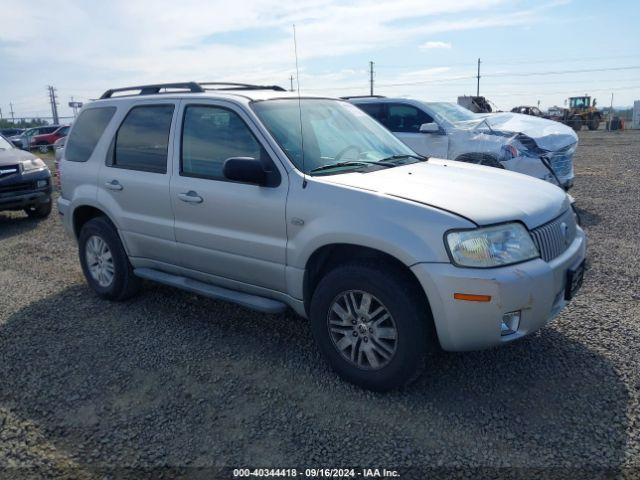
{"points": [[492, 246], [32, 164]]}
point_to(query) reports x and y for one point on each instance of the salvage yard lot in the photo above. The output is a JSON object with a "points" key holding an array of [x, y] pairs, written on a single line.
{"points": [[172, 379]]}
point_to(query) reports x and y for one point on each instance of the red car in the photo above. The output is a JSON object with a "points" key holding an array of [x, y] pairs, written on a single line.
{"points": [[45, 141]]}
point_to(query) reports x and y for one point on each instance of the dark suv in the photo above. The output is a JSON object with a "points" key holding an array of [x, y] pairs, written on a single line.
{"points": [[25, 181]]}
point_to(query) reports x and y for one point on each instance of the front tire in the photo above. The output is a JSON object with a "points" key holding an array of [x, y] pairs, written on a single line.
{"points": [[576, 123], [372, 325], [104, 261]]}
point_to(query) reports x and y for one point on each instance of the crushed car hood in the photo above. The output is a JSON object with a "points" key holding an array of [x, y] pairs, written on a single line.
{"points": [[11, 157], [484, 195], [547, 134]]}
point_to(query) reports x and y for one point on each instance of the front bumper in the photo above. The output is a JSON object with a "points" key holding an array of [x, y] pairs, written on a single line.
{"points": [[22, 190], [536, 288]]}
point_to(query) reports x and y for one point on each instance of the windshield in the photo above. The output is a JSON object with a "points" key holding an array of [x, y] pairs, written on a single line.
{"points": [[451, 112], [4, 144], [333, 131]]}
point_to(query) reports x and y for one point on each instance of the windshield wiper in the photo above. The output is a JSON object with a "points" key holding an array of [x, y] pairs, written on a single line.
{"points": [[351, 163], [420, 158]]}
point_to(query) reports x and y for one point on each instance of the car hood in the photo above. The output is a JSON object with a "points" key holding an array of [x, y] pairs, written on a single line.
{"points": [[11, 157], [484, 195], [547, 134]]}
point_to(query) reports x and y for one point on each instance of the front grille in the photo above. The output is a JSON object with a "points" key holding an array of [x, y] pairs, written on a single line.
{"points": [[18, 187], [6, 170], [553, 238]]}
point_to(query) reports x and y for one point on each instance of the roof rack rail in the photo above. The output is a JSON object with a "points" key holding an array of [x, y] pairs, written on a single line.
{"points": [[193, 87], [362, 96], [239, 86]]}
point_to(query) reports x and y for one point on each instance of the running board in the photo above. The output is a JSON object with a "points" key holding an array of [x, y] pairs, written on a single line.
{"points": [[254, 302]]}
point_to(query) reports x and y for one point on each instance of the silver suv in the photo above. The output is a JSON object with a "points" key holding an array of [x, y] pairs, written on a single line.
{"points": [[253, 195]]}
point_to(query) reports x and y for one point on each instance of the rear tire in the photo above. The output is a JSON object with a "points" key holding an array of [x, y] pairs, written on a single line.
{"points": [[104, 261], [43, 148], [364, 348], [594, 123], [43, 210]]}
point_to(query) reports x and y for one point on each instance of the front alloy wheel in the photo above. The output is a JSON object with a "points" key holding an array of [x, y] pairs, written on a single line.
{"points": [[362, 330]]}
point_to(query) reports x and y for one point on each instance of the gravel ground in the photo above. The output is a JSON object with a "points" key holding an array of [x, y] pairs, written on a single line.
{"points": [[169, 381]]}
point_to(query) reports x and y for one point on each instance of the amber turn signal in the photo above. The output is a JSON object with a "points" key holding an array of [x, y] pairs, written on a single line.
{"points": [[472, 298]]}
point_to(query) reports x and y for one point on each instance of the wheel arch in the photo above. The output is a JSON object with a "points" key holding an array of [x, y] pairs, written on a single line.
{"points": [[327, 257], [83, 213]]}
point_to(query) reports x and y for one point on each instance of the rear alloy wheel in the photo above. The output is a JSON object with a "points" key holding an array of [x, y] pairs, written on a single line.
{"points": [[372, 324], [44, 148], [104, 261]]}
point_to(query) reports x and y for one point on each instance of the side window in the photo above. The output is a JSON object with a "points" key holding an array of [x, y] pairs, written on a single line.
{"points": [[376, 110], [87, 130], [406, 118], [142, 140], [210, 135]]}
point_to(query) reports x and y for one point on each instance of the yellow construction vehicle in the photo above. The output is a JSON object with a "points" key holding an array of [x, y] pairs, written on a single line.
{"points": [[581, 112]]}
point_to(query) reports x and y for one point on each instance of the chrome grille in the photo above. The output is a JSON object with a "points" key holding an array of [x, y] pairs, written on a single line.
{"points": [[553, 238]]}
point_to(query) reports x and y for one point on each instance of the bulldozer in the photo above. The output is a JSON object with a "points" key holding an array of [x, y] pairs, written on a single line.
{"points": [[582, 111]]}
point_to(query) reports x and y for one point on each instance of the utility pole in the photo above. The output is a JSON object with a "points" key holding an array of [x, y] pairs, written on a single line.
{"points": [[610, 113], [478, 87], [13, 120], [291, 80], [1, 114], [371, 78], [54, 105]]}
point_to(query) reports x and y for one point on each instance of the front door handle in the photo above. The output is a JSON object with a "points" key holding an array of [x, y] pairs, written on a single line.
{"points": [[114, 185], [190, 197]]}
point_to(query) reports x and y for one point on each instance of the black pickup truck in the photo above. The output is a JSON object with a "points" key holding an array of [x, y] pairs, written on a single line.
{"points": [[25, 181]]}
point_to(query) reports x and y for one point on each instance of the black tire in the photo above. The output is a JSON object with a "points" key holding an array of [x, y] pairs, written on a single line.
{"points": [[42, 210], [407, 307], [124, 283], [480, 159], [594, 123], [43, 147], [576, 123]]}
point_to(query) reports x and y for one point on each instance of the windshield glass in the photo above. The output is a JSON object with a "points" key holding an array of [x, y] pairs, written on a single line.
{"points": [[4, 144], [452, 112], [332, 131]]}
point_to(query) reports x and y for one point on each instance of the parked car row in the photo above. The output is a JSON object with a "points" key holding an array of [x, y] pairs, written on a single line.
{"points": [[41, 138], [253, 195]]}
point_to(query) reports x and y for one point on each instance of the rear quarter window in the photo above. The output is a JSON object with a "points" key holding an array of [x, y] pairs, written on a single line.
{"points": [[86, 132]]}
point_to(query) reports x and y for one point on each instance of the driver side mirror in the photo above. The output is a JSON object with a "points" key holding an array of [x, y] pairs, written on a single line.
{"points": [[431, 127], [245, 170]]}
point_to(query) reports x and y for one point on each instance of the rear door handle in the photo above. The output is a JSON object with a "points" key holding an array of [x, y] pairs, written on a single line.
{"points": [[113, 185], [190, 197]]}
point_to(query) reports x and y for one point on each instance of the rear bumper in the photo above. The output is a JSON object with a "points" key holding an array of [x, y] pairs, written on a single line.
{"points": [[536, 288]]}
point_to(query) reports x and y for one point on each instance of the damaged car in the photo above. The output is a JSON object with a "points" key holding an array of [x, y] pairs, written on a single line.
{"points": [[521, 143]]}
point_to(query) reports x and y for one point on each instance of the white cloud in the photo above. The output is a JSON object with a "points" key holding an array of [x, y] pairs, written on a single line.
{"points": [[435, 44]]}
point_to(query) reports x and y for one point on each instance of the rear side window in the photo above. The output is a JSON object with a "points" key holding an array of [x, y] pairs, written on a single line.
{"points": [[142, 140], [87, 130], [406, 118], [210, 135]]}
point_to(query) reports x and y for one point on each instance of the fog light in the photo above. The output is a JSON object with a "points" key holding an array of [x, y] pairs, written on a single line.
{"points": [[42, 183], [510, 323]]}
